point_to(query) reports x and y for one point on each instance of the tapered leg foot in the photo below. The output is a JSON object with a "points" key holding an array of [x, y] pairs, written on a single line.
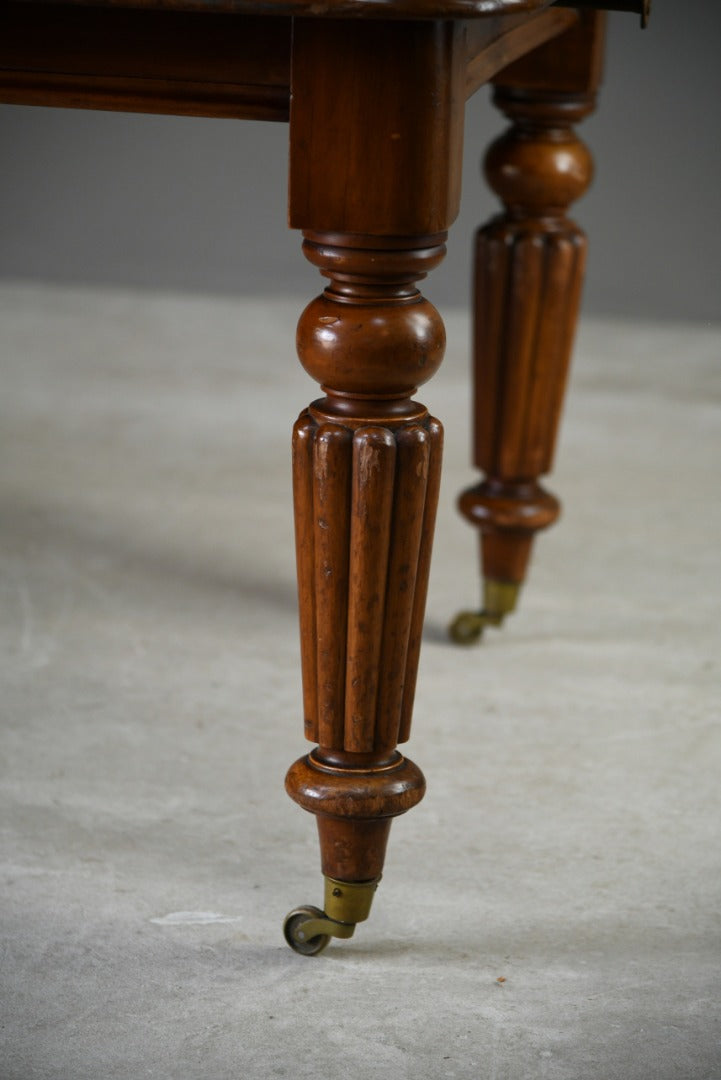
{"points": [[508, 517]]}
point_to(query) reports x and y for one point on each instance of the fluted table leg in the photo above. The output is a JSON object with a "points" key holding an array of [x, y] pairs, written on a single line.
{"points": [[376, 148], [366, 467], [529, 270]]}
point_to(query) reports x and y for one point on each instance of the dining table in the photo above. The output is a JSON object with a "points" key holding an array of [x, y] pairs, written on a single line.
{"points": [[373, 93]]}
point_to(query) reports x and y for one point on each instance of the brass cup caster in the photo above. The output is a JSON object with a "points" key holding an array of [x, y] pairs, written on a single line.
{"points": [[499, 599], [308, 930]]}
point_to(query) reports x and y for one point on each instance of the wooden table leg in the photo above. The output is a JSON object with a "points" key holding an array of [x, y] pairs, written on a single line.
{"points": [[529, 270], [366, 476], [374, 182]]}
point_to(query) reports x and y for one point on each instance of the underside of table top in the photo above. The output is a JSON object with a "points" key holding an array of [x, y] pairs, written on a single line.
{"points": [[373, 9]]}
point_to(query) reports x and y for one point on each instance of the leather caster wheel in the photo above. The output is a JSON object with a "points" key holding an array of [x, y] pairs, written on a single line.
{"points": [[294, 934], [467, 628]]}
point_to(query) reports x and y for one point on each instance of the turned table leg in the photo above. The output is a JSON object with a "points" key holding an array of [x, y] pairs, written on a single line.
{"points": [[366, 469], [528, 277], [374, 184]]}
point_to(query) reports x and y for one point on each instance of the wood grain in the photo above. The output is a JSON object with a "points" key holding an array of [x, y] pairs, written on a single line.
{"points": [[156, 61]]}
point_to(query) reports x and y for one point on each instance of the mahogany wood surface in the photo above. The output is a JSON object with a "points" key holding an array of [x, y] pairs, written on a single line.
{"points": [[152, 61], [529, 271], [158, 59]]}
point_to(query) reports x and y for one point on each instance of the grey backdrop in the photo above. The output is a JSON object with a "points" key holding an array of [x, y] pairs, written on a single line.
{"points": [[170, 203]]}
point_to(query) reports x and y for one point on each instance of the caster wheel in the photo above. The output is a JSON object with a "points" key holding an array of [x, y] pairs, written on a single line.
{"points": [[293, 931], [466, 628]]}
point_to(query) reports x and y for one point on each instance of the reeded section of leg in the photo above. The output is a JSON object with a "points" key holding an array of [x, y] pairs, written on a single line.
{"points": [[366, 468], [529, 271]]}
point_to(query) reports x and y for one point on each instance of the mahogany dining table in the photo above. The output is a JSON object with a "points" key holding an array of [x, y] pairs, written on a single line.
{"points": [[374, 93]]}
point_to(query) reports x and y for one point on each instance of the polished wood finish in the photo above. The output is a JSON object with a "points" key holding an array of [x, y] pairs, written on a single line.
{"points": [[342, 71], [529, 270], [172, 60], [366, 470], [154, 61], [494, 43]]}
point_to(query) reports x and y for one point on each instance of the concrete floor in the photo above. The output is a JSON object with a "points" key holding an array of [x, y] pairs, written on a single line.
{"points": [[551, 910]]}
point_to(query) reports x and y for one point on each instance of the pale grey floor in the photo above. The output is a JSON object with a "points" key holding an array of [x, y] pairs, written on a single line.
{"points": [[569, 841]]}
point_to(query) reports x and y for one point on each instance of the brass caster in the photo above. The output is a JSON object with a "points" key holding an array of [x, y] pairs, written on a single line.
{"points": [[499, 600], [467, 627], [308, 929]]}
